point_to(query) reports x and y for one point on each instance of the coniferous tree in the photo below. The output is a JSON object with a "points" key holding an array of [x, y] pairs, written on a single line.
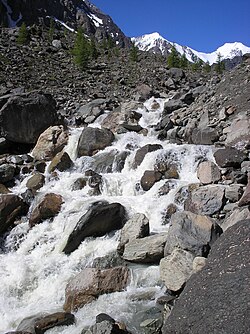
{"points": [[51, 30], [219, 66], [174, 58], [81, 50], [207, 67], [183, 61], [23, 35], [134, 53]]}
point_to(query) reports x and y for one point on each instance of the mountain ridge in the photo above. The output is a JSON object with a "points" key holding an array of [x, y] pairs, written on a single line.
{"points": [[155, 43]]}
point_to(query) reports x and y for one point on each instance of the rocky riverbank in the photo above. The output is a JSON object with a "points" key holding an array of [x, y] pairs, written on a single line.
{"points": [[129, 205]]}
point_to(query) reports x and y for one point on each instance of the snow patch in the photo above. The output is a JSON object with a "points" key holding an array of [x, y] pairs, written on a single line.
{"points": [[96, 20], [62, 23]]}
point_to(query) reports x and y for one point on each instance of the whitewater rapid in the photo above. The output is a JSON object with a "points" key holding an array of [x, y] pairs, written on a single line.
{"points": [[33, 269]]}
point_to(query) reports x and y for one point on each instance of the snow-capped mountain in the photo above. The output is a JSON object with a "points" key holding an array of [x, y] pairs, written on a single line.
{"points": [[69, 13], [156, 43]]}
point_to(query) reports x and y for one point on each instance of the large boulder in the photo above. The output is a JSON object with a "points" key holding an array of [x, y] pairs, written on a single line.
{"points": [[216, 299], [35, 182], [7, 172], [48, 207], [93, 140], [206, 200], [50, 142], [245, 199], [91, 283], [208, 172], [191, 232], [205, 136], [135, 228], [24, 117], [175, 269], [146, 250], [149, 178], [229, 157], [11, 208], [140, 154], [235, 216], [238, 134], [101, 218], [60, 162]]}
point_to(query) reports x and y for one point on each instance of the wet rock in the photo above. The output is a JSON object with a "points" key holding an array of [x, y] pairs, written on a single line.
{"points": [[205, 136], [53, 320], [222, 285], [35, 182], [140, 154], [92, 140], [172, 172], [24, 117], [101, 218], [229, 157], [206, 200], [103, 161], [11, 208], [175, 269], [106, 324], [170, 210], [146, 250], [79, 184], [150, 321], [165, 189], [40, 166], [172, 105], [109, 261], [48, 207], [28, 196], [91, 283], [149, 178], [245, 199], [125, 113], [191, 232], [28, 324], [3, 189], [50, 142], [135, 228], [208, 172], [60, 162], [233, 192], [7, 173]]}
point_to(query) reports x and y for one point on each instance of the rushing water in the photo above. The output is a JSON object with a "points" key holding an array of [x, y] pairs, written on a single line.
{"points": [[34, 271]]}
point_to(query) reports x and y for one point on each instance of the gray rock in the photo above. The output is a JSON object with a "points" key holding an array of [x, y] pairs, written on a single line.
{"points": [[146, 250], [93, 140], [172, 105], [141, 153], [235, 216], [24, 117], [208, 172], [222, 285], [229, 157], [206, 200], [245, 199], [135, 228], [175, 269], [144, 92], [205, 136], [233, 192], [60, 162], [35, 182], [152, 321], [238, 135], [191, 232], [7, 173], [101, 218], [53, 320], [199, 263]]}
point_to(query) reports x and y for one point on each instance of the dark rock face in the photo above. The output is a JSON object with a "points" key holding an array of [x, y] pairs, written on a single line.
{"points": [[53, 320], [7, 173], [149, 178], [140, 154], [216, 299], [100, 219], [92, 140], [11, 207], [229, 157], [61, 162], [73, 12], [24, 117]]}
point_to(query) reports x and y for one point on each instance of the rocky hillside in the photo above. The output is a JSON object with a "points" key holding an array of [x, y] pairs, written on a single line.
{"points": [[71, 14]]}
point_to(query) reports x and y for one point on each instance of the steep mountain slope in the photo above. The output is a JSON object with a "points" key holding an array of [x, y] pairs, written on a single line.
{"points": [[157, 44], [70, 13]]}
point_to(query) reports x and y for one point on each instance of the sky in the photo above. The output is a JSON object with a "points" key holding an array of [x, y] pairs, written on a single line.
{"points": [[203, 25]]}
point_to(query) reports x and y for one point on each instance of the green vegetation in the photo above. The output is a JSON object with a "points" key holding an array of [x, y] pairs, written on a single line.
{"points": [[207, 67], [173, 59], [134, 53], [23, 35], [81, 49], [219, 66], [51, 30]]}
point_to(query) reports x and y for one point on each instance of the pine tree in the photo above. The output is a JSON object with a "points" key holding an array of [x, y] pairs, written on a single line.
{"points": [[207, 67], [219, 66], [23, 35], [134, 53], [81, 50], [51, 30], [174, 58], [183, 61]]}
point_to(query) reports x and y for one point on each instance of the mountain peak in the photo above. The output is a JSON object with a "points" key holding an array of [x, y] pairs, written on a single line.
{"points": [[155, 43]]}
